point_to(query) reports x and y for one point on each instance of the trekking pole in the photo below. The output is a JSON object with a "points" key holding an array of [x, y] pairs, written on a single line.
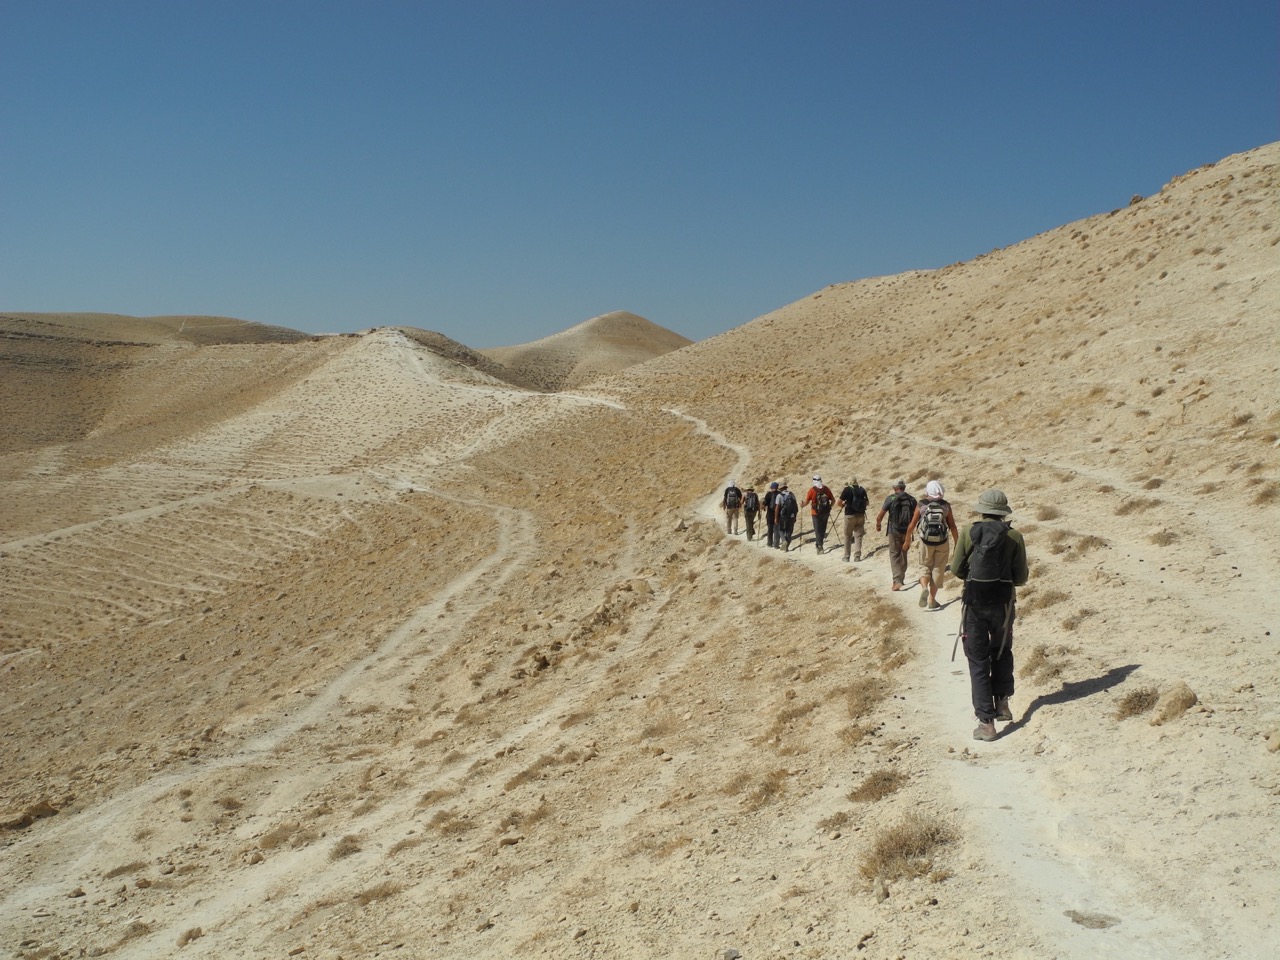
{"points": [[959, 632]]}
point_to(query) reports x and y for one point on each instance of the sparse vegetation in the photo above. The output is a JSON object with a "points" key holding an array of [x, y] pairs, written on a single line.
{"points": [[1136, 702], [906, 848], [877, 785], [348, 845]]}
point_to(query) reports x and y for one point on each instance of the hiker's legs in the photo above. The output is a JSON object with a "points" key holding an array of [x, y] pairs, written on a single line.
{"points": [[859, 528], [750, 519], [933, 559], [820, 529], [731, 518], [771, 538], [788, 529], [848, 534], [898, 557], [982, 627], [1002, 666]]}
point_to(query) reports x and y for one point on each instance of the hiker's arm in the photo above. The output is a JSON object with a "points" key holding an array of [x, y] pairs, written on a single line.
{"points": [[960, 559], [1021, 570], [879, 517], [951, 522]]}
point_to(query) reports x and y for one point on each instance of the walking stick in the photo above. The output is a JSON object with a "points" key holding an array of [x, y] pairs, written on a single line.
{"points": [[959, 631]]}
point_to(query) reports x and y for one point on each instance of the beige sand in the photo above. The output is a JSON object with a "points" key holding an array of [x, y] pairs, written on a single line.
{"points": [[348, 647]]}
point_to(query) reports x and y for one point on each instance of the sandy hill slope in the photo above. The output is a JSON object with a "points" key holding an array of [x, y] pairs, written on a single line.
{"points": [[602, 345], [394, 657]]}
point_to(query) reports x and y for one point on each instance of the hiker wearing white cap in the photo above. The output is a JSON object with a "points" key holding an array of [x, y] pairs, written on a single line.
{"points": [[731, 504], [933, 522], [820, 500], [853, 499], [991, 559], [899, 507]]}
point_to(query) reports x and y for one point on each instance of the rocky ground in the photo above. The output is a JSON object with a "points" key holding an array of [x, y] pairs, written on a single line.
{"points": [[346, 648]]}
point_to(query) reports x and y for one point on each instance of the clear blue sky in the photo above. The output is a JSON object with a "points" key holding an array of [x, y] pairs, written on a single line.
{"points": [[499, 171]]}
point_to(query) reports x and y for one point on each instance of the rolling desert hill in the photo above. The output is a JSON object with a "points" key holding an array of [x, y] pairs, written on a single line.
{"points": [[374, 653], [594, 348]]}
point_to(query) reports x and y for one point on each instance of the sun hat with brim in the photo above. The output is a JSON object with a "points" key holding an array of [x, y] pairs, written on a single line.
{"points": [[993, 502]]}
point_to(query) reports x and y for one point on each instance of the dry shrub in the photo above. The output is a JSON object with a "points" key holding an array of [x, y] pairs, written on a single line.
{"points": [[121, 871], [408, 843], [770, 788], [574, 718], [1044, 662], [835, 821], [1040, 600], [345, 847], [1268, 494], [383, 890], [736, 785], [1048, 512], [1136, 702], [877, 785], [1090, 542], [450, 823], [1080, 616], [1162, 538], [906, 848], [1153, 483], [195, 933], [290, 832], [434, 796], [862, 696]]}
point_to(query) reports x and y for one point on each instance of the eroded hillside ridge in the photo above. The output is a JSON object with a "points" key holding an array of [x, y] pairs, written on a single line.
{"points": [[395, 655]]}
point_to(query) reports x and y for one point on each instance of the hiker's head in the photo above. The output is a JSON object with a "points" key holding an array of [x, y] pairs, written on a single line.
{"points": [[817, 479], [993, 503], [933, 489], [853, 481], [781, 488], [899, 484]]}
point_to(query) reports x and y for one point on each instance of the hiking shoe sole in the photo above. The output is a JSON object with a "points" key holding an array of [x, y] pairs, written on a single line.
{"points": [[924, 599], [985, 732]]}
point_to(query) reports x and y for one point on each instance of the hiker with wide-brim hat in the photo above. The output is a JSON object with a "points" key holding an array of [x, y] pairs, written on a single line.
{"points": [[991, 558]]}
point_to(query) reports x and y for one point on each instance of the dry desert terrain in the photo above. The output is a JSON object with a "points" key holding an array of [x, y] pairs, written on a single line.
{"points": [[375, 645]]}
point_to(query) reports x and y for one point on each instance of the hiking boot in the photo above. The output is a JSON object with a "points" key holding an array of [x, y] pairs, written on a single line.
{"points": [[1002, 709], [845, 559], [924, 599], [985, 730], [856, 559], [896, 586], [934, 605]]}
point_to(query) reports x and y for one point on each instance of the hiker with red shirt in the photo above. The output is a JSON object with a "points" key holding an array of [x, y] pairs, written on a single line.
{"points": [[820, 500]]}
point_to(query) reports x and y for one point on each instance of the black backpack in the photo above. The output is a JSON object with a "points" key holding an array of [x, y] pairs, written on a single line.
{"points": [[752, 503], [855, 500], [933, 521], [989, 561], [789, 506], [821, 500], [901, 510], [732, 497]]}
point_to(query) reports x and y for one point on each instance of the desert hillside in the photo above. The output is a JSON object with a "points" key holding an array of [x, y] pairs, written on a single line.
{"points": [[603, 345], [351, 647]]}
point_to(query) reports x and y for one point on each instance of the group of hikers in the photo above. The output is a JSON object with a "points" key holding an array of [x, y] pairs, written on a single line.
{"points": [[988, 556]]}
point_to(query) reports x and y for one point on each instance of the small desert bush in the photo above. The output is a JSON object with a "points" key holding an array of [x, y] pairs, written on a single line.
{"points": [[1048, 512], [1090, 542], [121, 871], [835, 821], [1044, 662], [1137, 702], [906, 848], [767, 790], [383, 890], [1040, 600], [1162, 538], [862, 696], [1080, 616], [1268, 494], [877, 785], [345, 847]]}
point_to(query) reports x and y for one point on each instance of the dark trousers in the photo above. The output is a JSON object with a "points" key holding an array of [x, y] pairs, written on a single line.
{"points": [[988, 645], [820, 528], [785, 527], [750, 517]]}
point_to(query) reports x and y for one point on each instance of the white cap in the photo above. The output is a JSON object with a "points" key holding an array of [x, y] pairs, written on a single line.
{"points": [[934, 489], [817, 478]]}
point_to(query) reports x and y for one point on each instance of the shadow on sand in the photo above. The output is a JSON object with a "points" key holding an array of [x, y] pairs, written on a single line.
{"points": [[1072, 690]]}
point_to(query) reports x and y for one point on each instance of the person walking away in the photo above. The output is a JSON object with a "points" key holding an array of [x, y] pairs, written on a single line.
{"points": [[820, 500], [767, 506], [899, 507], [853, 500], [750, 507], [786, 509], [936, 527], [731, 503], [991, 559]]}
